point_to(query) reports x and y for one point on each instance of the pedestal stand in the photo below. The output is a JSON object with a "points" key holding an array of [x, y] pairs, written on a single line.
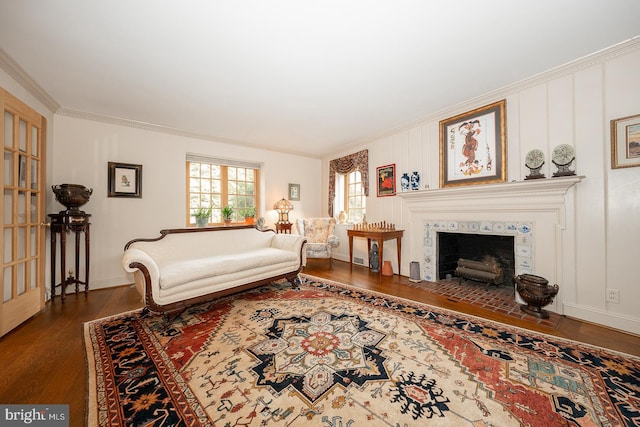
{"points": [[63, 223]]}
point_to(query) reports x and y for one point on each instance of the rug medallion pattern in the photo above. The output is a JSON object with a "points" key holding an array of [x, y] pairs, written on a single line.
{"points": [[325, 354]]}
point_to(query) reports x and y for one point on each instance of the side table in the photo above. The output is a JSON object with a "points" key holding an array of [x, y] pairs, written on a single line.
{"points": [[379, 236], [63, 223], [283, 228]]}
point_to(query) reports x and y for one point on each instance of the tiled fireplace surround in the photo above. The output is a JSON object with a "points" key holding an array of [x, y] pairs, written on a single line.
{"points": [[539, 214]]}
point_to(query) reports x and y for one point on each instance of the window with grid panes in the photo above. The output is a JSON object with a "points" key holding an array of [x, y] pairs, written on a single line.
{"points": [[355, 200], [212, 183]]}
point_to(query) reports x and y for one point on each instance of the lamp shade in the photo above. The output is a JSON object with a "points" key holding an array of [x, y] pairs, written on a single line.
{"points": [[283, 206]]}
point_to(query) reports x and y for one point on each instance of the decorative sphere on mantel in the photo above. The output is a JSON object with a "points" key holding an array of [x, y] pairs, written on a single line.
{"points": [[72, 196]]}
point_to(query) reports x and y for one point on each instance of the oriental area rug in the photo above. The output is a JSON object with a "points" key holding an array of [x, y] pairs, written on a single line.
{"points": [[320, 353]]}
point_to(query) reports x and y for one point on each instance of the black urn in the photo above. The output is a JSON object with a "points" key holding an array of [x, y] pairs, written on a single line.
{"points": [[536, 292], [72, 196]]}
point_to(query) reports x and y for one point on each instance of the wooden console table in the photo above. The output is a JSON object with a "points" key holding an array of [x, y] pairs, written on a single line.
{"points": [[379, 236], [63, 223]]}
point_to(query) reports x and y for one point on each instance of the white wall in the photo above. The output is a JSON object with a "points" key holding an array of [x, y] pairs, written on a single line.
{"points": [[80, 153], [574, 105]]}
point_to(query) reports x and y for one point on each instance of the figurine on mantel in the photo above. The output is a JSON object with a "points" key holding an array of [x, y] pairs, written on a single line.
{"points": [[415, 181], [534, 161], [563, 155], [404, 182]]}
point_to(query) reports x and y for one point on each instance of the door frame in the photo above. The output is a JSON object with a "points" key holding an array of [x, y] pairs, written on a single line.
{"points": [[21, 307]]}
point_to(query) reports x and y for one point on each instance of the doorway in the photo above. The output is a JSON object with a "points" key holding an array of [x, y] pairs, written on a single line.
{"points": [[22, 210]]}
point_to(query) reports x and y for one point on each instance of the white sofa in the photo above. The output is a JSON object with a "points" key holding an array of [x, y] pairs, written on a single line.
{"points": [[186, 266]]}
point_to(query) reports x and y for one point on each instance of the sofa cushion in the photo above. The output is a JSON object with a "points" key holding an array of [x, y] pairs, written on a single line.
{"points": [[183, 271]]}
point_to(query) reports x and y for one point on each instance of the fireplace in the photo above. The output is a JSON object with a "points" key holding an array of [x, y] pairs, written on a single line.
{"points": [[489, 249], [510, 243], [537, 214]]}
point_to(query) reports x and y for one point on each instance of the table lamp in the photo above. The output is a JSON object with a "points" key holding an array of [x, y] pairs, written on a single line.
{"points": [[283, 207]]}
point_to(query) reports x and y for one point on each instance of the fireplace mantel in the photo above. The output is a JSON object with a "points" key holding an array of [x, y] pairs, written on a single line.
{"points": [[538, 213], [531, 191]]}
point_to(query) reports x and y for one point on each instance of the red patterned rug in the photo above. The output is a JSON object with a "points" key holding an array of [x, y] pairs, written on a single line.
{"points": [[326, 354]]}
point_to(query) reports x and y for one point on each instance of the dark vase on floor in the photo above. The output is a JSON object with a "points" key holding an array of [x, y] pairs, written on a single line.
{"points": [[536, 292]]}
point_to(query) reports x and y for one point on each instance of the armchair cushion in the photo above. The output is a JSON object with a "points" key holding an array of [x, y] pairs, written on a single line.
{"points": [[318, 230]]}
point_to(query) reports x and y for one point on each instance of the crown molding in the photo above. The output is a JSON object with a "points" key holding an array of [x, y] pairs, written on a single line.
{"points": [[599, 57], [595, 58], [20, 75], [166, 129]]}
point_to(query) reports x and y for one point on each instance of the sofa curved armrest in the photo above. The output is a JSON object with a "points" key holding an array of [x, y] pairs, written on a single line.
{"points": [[333, 241], [289, 242], [134, 260]]}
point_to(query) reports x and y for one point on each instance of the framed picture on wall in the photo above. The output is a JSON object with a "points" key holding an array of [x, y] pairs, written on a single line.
{"points": [[386, 180], [294, 192], [473, 147], [125, 180], [625, 142]]}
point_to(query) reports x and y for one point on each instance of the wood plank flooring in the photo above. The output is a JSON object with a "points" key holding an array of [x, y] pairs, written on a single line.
{"points": [[43, 361]]}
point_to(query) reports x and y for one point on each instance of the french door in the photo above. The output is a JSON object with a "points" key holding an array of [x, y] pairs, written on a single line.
{"points": [[23, 211]]}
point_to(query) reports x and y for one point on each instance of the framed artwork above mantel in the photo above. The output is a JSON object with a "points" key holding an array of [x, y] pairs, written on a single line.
{"points": [[473, 147]]}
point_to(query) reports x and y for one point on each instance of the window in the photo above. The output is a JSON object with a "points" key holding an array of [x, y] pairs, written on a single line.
{"points": [[355, 200], [216, 183], [350, 196]]}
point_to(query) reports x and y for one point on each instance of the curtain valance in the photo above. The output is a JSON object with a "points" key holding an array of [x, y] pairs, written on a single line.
{"points": [[344, 165]]}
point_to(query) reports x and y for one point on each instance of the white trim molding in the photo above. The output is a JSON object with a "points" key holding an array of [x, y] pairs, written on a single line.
{"points": [[20, 75]]}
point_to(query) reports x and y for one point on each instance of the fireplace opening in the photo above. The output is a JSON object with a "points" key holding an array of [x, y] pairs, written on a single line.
{"points": [[475, 247]]}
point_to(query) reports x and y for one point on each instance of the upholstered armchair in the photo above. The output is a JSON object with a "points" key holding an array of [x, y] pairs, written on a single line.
{"points": [[320, 237]]}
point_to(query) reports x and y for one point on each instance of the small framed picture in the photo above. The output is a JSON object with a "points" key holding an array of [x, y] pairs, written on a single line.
{"points": [[625, 142], [125, 180], [386, 180], [294, 192]]}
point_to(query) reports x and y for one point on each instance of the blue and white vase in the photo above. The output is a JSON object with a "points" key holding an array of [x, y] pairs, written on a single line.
{"points": [[415, 181], [404, 182]]}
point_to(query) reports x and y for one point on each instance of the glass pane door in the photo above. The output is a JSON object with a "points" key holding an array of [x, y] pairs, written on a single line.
{"points": [[22, 279]]}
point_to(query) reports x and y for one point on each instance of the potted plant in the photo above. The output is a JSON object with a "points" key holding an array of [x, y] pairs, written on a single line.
{"points": [[202, 216], [227, 214], [249, 215]]}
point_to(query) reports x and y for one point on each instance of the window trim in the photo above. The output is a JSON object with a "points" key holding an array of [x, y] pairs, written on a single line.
{"points": [[224, 192]]}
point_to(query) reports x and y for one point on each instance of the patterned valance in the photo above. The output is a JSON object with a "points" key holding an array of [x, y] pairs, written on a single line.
{"points": [[344, 165]]}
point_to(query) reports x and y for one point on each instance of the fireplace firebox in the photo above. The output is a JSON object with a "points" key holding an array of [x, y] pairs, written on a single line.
{"points": [[476, 248]]}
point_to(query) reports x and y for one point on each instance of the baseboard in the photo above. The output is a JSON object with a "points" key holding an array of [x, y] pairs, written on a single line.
{"points": [[600, 317], [110, 283]]}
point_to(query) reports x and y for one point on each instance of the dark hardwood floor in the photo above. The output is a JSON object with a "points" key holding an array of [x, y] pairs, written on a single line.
{"points": [[43, 361]]}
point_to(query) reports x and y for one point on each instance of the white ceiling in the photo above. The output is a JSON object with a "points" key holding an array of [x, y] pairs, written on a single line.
{"points": [[295, 75]]}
